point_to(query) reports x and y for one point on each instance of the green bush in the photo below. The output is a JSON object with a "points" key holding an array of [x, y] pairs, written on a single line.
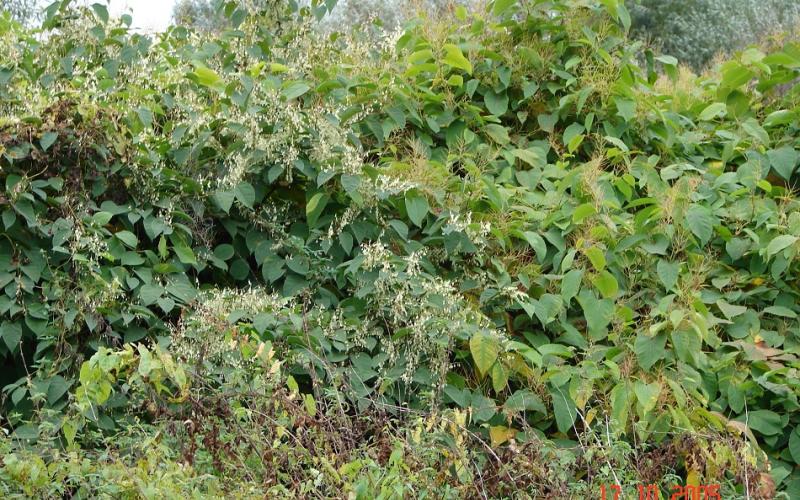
{"points": [[497, 219], [241, 428]]}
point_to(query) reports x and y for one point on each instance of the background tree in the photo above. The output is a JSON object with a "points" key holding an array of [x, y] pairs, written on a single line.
{"points": [[23, 11], [388, 14], [695, 31], [216, 15], [200, 14]]}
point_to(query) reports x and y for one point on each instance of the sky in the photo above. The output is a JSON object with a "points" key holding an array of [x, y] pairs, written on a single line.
{"points": [[148, 15]]}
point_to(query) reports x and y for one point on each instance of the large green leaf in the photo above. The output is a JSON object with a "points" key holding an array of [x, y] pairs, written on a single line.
{"points": [[224, 200], [650, 349], [767, 422], [183, 251], [497, 104], [534, 157], [246, 194], [597, 258], [687, 344], [11, 334], [700, 221], [564, 409], [598, 314], [780, 243], [293, 90], [315, 206], [794, 444], [668, 273], [570, 284], [607, 284], [128, 238], [501, 6], [713, 111], [620, 404], [524, 400], [416, 207], [47, 140], [498, 133], [784, 160], [537, 243]]}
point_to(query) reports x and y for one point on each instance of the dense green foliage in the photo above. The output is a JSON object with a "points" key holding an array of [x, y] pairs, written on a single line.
{"points": [[490, 252], [695, 31]]}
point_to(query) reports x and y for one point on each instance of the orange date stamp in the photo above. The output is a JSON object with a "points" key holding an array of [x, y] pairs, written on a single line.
{"points": [[652, 492]]}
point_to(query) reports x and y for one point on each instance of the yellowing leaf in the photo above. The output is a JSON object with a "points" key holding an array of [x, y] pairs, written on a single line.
{"points": [[607, 284], [455, 58], [597, 257], [499, 434], [583, 211], [484, 349], [207, 77], [292, 384], [278, 68], [455, 81], [647, 395], [310, 404], [499, 377]]}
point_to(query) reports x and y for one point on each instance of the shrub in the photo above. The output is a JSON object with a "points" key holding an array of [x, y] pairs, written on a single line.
{"points": [[503, 222]]}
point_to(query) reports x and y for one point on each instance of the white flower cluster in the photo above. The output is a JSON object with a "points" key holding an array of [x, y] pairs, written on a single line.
{"points": [[273, 219], [476, 232], [99, 293], [385, 185], [357, 333], [342, 221], [330, 148], [514, 294], [429, 308], [293, 132], [206, 333], [388, 40], [90, 245]]}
